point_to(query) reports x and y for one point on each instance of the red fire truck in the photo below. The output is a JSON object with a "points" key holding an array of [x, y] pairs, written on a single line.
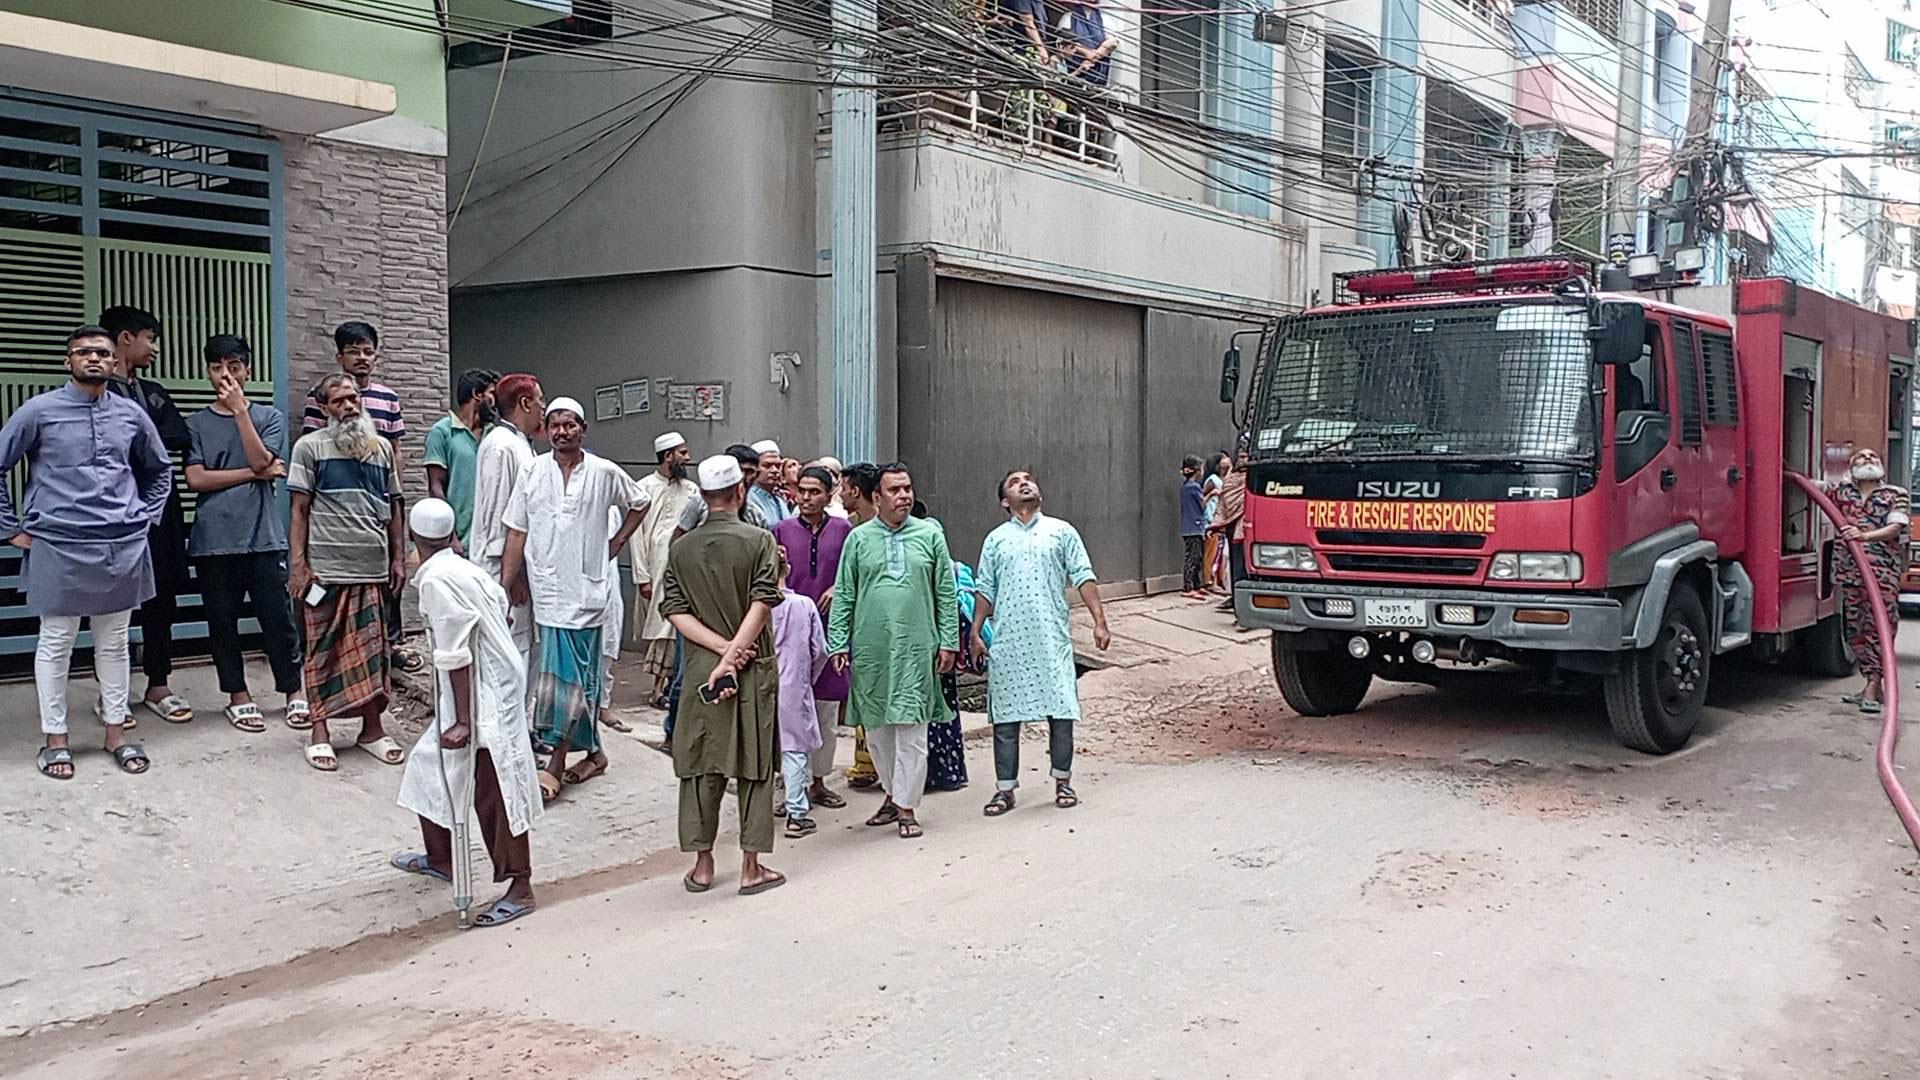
{"points": [[1504, 462]]}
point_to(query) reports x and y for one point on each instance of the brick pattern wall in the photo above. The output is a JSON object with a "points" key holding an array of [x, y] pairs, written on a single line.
{"points": [[366, 239]]}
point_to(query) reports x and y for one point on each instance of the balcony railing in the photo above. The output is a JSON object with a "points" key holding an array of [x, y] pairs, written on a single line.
{"points": [[1027, 122]]}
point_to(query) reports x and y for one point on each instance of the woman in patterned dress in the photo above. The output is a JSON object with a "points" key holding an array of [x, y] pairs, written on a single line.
{"points": [[1876, 517]]}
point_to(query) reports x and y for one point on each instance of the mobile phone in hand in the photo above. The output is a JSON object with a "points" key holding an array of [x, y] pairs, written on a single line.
{"points": [[711, 694]]}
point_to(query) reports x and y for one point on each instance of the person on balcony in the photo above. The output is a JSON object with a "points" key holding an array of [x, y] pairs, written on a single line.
{"points": [[1087, 47]]}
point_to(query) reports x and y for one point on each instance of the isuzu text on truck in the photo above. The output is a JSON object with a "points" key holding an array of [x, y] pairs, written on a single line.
{"points": [[1498, 461]]}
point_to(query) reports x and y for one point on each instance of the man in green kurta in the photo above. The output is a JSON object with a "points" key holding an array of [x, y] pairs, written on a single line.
{"points": [[894, 617], [720, 587]]}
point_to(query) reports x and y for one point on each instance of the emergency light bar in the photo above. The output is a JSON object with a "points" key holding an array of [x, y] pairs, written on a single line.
{"points": [[1499, 275]]}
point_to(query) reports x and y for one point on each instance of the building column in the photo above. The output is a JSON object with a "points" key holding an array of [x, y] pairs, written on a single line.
{"points": [[1302, 198], [1540, 164], [855, 258]]}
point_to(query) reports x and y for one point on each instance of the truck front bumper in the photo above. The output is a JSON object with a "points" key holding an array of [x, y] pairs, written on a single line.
{"points": [[1516, 620]]}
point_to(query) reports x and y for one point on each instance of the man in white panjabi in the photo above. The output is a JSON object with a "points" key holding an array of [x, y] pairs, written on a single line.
{"points": [[479, 739], [668, 490], [560, 550], [505, 452]]}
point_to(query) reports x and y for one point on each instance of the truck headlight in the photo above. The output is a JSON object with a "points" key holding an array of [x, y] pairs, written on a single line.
{"points": [[1535, 566], [1296, 557]]}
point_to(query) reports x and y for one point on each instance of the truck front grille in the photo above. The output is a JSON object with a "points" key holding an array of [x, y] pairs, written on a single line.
{"points": [[1362, 538], [1403, 564]]}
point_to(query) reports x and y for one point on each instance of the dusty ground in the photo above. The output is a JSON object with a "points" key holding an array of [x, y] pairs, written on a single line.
{"points": [[1471, 882]]}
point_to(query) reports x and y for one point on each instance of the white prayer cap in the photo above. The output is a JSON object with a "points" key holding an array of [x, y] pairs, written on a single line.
{"points": [[719, 473], [568, 404], [832, 463], [766, 446], [431, 518], [667, 442]]}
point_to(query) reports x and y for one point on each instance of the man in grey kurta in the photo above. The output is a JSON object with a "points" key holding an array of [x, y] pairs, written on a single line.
{"points": [[721, 585], [98, 478]]}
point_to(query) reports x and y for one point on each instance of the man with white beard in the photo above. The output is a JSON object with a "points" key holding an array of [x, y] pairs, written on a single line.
{"points": [[347, 543]]}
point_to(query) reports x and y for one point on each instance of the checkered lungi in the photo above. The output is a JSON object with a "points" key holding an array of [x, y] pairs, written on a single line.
{"points": [[346, 641]]}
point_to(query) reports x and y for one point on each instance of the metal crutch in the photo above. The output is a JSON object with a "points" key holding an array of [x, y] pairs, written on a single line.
{"points": [[461, 808]]}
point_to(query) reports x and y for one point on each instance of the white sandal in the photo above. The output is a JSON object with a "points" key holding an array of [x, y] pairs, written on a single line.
{"points": [[173, 708], [322, 752], [246, 718], [383, 750], [299, 714]]}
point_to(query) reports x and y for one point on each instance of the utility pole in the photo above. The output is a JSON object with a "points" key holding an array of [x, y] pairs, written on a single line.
{"points": [[1623, 212], [1710, 63], [855, 255]]}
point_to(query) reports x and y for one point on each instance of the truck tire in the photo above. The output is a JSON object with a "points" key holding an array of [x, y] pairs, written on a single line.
{"points": [[1823, 648], [1328, 683], [1654, 700]]}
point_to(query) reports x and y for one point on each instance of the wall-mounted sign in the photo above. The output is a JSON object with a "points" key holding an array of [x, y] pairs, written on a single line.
{"points": [[636, 397], [606, 403], [697, 401]]}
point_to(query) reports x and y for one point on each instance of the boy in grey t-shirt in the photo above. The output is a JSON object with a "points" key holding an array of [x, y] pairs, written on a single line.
{"points": [[239, 539]]}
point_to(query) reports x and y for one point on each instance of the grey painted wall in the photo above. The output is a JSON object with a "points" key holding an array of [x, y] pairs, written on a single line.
{"points": [[711, 326], [724, 178], [1182, 415]]}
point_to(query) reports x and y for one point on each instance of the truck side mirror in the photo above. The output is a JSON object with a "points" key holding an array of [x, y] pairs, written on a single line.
{"points": [[1619, 330], [1230, 375]]}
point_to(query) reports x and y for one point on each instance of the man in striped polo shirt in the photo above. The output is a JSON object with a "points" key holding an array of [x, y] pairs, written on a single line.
{"points": [[357, 348]]}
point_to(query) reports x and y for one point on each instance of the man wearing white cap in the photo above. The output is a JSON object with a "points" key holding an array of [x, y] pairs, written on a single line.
{"points": [[721, 586], [560, 548], [667, 490], [505, 452], [763, 491], [477, 743]]}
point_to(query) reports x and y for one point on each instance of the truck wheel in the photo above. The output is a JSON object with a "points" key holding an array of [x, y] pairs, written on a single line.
{"points": [[1320, 683], [1823, 648], [1654, 700]]}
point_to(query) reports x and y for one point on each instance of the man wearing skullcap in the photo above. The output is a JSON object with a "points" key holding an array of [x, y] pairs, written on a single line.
{"points": [[560, 543], [763, 491], [475, 750], [721, 586], [667, 490]]}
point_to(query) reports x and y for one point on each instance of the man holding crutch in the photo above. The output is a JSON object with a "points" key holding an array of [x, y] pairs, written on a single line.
{"points": [[476, 753]]}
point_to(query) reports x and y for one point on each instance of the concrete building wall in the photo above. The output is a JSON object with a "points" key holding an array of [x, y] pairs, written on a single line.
{"points": [[723, 178], [693, 327], [981, 208]]}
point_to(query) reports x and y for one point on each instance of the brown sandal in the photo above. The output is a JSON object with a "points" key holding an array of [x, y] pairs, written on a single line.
{"points": [[886, 815], [585, 771], [549, 786]]}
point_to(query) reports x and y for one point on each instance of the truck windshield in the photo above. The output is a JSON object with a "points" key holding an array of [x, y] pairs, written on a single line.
{"points": [[1482, 382]]}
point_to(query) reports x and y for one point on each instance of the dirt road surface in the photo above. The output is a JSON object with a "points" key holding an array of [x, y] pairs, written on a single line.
{"points": [[1467, 882]]}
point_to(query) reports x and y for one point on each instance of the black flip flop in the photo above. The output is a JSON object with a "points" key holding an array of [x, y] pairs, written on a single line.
{"points": [[692, 885], [126, 754], [501, 912], [886, 815], [56, 755], [416, 862], [828, 798]]}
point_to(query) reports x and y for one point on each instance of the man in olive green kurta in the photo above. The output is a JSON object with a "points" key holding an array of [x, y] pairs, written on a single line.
{"points": [[720, 587], [894, 616]]}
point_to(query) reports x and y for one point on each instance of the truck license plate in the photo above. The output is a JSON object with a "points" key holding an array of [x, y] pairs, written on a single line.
{"points": [[1400, 614]]}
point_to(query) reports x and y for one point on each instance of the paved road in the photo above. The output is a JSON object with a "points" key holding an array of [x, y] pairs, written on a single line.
{"points": [[1463, 883]]}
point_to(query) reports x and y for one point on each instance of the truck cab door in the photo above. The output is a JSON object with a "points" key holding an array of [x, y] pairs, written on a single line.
{"points": [[1655, 484], [1722, 452]]}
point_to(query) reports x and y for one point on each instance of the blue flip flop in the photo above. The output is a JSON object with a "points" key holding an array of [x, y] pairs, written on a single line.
{"points": [[501, 912], [416, 862]]}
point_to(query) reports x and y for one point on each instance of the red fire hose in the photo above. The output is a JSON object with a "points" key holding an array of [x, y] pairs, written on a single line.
{"points": [[1890, 681]]}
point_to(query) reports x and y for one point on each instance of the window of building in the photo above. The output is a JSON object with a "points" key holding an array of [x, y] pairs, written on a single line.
{"points": [[1903, 43], [1346, 133], [1602, 15], [1177, 56], [1903, 145]]}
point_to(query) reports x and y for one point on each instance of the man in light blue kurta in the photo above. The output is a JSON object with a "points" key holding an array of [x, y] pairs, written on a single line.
{"points": [[98, 478], [1026, 568]]}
